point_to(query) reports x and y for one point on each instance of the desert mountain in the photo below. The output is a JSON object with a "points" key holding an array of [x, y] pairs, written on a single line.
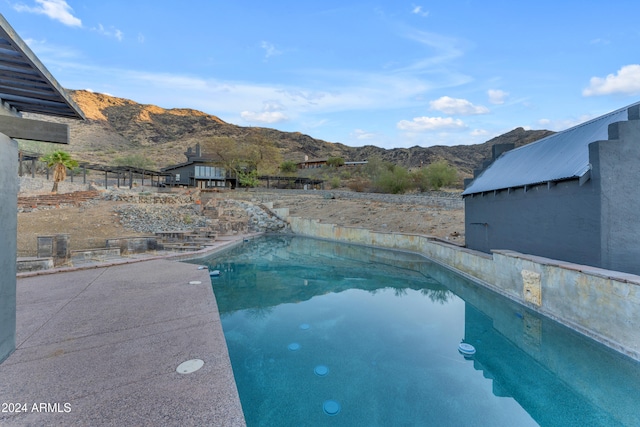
{"points": [[117, 127]]}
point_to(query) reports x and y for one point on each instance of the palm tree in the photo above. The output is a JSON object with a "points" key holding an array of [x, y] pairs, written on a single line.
{"points": [[60, 161]]}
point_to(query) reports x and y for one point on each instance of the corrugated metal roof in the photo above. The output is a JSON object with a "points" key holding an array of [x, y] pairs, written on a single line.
{"points": [[560, 156], [25, 83]]}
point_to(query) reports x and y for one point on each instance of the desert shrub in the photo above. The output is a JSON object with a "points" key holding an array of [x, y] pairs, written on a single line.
{"points": [[248, 178], [335, 161], [393, 180], [440, 174], [335, 182], [359, 184], [419, 180], [288, 166], [374, 168]]}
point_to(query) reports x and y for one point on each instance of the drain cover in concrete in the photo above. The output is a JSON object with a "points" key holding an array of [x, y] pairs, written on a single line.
{"points": [[190, 366]]}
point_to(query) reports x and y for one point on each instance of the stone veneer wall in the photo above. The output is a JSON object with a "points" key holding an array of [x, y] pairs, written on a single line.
{"points": [[602, 304]]}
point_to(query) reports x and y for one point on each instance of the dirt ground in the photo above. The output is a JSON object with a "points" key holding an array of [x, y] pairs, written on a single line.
{"points": [[90, 225], [375, 215]]}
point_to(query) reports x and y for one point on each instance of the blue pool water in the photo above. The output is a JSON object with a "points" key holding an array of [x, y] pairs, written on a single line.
{"points": [[321, 333]]}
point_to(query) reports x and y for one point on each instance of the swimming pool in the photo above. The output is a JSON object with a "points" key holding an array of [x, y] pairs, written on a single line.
{"points": [[323, 333]]}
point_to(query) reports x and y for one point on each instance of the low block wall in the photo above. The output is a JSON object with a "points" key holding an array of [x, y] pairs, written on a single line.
{"points": [[34, 264], [134, 245], [602, 304], [94, 254]]}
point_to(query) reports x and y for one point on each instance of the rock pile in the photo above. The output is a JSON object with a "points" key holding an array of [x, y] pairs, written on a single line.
{"points": [[262, 219], [149, 218], [232, 214], [169, 212]]}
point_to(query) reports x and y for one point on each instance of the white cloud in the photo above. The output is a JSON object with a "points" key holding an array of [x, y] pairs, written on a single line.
{"points": [[164, 80], [448, 105], [362, 134], [112, 32], [57, 10], [425, 124], [272, 105], [270, 49], [264, 116], [626, 82], [271, 113], [445, 49], [44, 49], [417, 10], [479, 132], [497, 96]]}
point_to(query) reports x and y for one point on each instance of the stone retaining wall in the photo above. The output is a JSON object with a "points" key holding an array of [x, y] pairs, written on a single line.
{"points": [[602, 304]]}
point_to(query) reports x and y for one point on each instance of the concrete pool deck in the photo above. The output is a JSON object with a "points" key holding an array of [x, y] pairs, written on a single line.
{"points": [[99, 345]]}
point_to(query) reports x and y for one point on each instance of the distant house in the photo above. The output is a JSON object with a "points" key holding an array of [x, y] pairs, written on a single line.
{"points": [[571, 196], [312, 164], [353, 164], [199, 171]]}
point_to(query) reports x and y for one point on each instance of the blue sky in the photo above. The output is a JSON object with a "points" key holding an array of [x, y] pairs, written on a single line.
{"points": [[387, 73]]}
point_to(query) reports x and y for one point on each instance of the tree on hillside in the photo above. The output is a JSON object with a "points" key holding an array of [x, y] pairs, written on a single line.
{"points": [[288, 166], [335, 162], [263, 152], [60, 161], [242, 155]]}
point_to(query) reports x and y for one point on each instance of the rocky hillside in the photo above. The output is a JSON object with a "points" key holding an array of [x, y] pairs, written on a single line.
{"points": [[117, 127]]}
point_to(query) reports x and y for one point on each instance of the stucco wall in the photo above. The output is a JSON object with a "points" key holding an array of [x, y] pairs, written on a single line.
{"points": [[8, 236], [561, 221], [616, 164], [602, 304]]}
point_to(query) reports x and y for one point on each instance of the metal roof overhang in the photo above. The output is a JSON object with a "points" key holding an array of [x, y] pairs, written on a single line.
{"points": [[123, 169], [25, 83], [558, 157]]}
